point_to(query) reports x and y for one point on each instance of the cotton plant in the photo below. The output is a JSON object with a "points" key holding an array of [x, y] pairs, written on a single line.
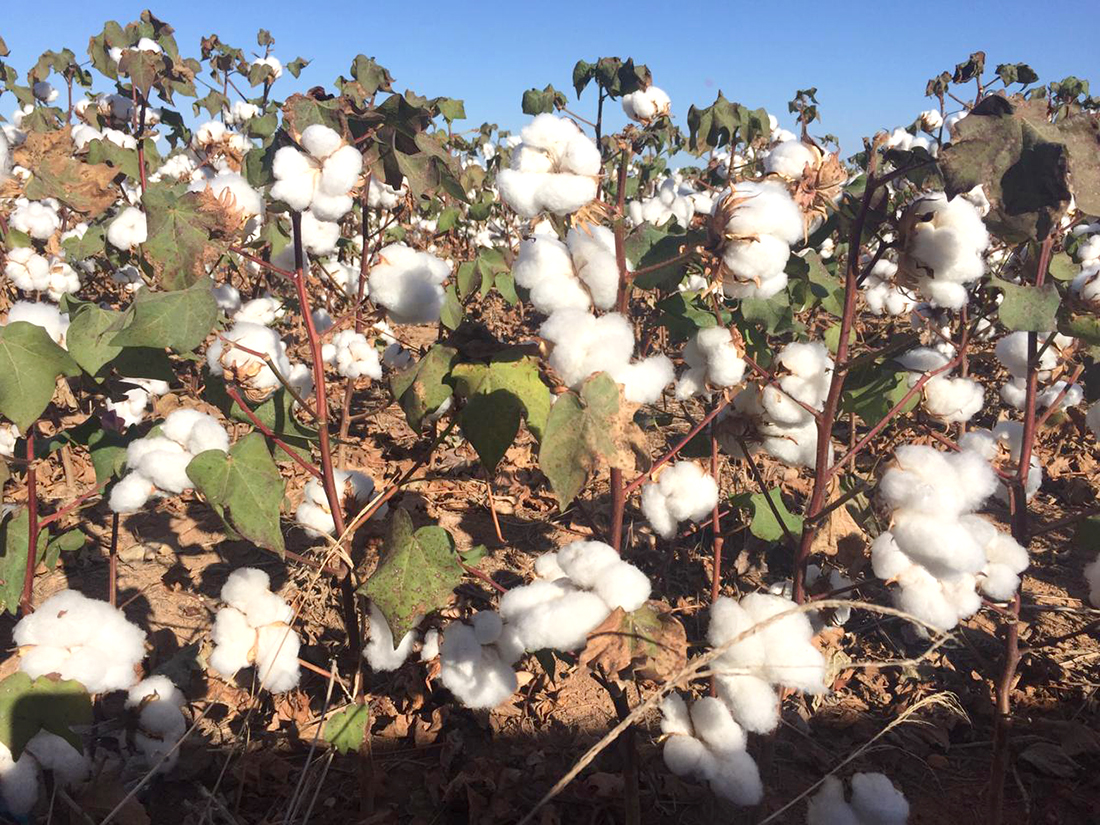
{"points": [[21, 780], [789, 159], [1011, 351], [579, 273], [585, 344], [704, 742], [770, 418], [874, 801], [319, 178], [265, 311], [314, 514], [409, 284], [1086, 284], [760, 222], [254, 629], [352, 355], [714, 361], [647, 105], [951, 399], [555, 168], [939, 552], [32, 272], [82, 639], [157, 464], [381, 195], [475, 661], [158, 705], [884, 296], [943, 245], [682, 491], [781, 652]]}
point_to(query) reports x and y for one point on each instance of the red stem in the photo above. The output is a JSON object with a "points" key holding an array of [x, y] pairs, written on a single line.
{"points": [[671, 454], [231, 391], [618, 494], [26, 603]]}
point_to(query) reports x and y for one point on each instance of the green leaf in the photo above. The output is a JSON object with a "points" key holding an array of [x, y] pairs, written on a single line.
{"points": [[245, 488], [871, 390], [14, 541], [1026, 307], [831, 337], [178, 320], [188, 232], [422, 387], [1083, 325], [30, 363], [28, 706], [1062, 267], [346, 730], [446, 220], [647, 246], [685, 313], [774, 314], [536, 102], [68, 542], [825, 287], [764, 524], [416, 576], [89, 336], [585, 430], [452, 311], [506, 286], [467, 273], [498, 395]]}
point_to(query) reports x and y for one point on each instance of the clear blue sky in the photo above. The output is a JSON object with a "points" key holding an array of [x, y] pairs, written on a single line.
{"points": [[869, 61]]}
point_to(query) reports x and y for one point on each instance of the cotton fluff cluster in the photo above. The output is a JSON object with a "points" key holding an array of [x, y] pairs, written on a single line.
{"points": [[575, 589], [763, 223], [554, 169], [1086, 285], [82, 639], [1011, 352], [320, 178], [9, 435], [882, 293], [314, 514], [265, 310], [950, 399], [682, 492], [161, 724], [1007, 437], [704, 742], [47, 316], [20, 779], [243, 367], [1092, 578], [39, 219], [382, 196], [780, 653], [409, 284], [158, 463], [475, 661], [790, 159], [128, 229], [937, 550], [779, 425], [577, 274], [673, 199], [130, 409], [646, 105], [944, 243], [380, 652], [254, 629], [713, 360], [32, 272], [352, 355], [875, 801], [907, 141]]}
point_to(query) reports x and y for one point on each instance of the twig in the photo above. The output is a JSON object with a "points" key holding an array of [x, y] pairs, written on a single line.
{"points": [[231, 391]]}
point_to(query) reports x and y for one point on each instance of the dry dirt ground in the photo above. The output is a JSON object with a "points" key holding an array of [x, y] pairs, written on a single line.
{"points": [[430, 761]]}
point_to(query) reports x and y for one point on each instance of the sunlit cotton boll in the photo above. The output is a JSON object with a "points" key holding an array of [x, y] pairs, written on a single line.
{"points": [[314, 514], [789, 159], [128, 229], [646, 105], [474, 672], [47, 316], [944, 243], [36, 218], [596, 566], [409, 284], [243, 367], [82, 639], [584, 344], [353, 355], [554, 169], [552, 615], [713, 360], [682, 492]]}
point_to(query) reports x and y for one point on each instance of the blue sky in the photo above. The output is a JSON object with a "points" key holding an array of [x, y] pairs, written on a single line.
{"points": [[868, 61]]}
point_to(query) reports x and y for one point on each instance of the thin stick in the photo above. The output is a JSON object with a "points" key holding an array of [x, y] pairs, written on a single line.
{"points": [[231, 391], [72, 505], [26, 603], [671, 454], [767, 496], [112, 563], [493, 507]]}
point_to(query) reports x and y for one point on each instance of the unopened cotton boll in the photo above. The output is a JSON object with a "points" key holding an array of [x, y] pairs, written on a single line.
{"points": [[380, 652], [82, 639], [585, 344], [475, 673], [646, 105], [682, 492], [128, 229], [409, 284]]}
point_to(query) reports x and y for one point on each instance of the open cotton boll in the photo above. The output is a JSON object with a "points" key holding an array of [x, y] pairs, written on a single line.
{"points": [[876, 801], [248, 589], [382, 196], [554, 169], [228, 298], [243, 367], [27, 270], [232, 187], [47, 316], [944, 244], [82, 639], [36, 218], [552, 615], [354, 357], [160, 720], [277, 667], [593, 251], [234, 642], [128, 229], [752, 701], [18, 781], [130, 410], [828, 806], [953, 400], [9, 435], [271, 62], [1011, 351], [264, 311], [645, 105], [131, 493], [319, 236], [714, 350], [765, 208], [675, 716], [584, 344], [380, 652], [295, 178], [714, 725], [644, 381], [584, 562], [544, 267], [883, 295], [682, 492], [475, 673], [754, 268], [53, 753], [790, 159], [408, 284], [314, 515], [727, 621]]}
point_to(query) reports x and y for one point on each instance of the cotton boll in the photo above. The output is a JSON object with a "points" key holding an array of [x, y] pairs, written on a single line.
{"points": [[828, 806], [922, 595], [941, 545], [584, 562], [320, 141], [227, 297], [682, 492], [644, 105], [765, 208], [644, 381], [563, 194], [131, 493], [128, 229], [234, 642], [319, 236], [675, 717], [953, 400], [790, 159], [474, 673], [409, 284], [593, 254], [561, 623], [728, 621], [547, 567], [18, 782], [714, 725], [623, 585], [248, 590], [9, 435], [380, 652], [243, 367], [355, 357], [264, 311], [544, 266], [131, 409], [47, 316], [755, 267], [887, 560], [241, 196], [36, 218], [876, 800], [341, 170], [684, 755], [584, 344], [27, 270], [296, 177], [738, 779], [382, 196], [714, 349], [1012, 349], [277, 657], [160, 720]]}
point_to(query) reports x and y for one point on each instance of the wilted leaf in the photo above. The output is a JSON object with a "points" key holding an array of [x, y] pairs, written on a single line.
{"points": [[585, 431], [649, 643], [30, 363], [28, 706], [245, 488], [188, 232], [1026, 307], [417, 574], [83, 187]]}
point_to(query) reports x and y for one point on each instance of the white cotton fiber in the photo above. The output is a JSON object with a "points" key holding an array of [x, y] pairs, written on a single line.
{"points": [[248, 590], [408, 284], [277, 667], [234, 642], [876, 801], [645, 105], [554, 169], [944, 247], [161, 723], [82, 639], [752, 701], [354, 356], [47, 316], [644, 381], [682, 492], [241, 366], [380, 652], [789, 159], [585, 344], [473, 672], [128, 229], [18, 779]]}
